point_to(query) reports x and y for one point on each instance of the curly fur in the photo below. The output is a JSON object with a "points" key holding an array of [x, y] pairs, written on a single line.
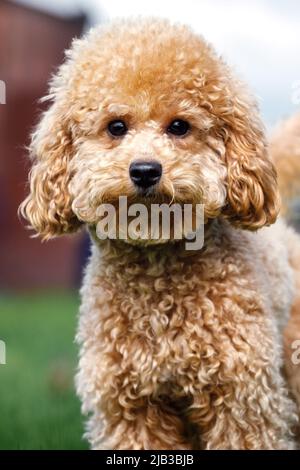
{"points": [[179, 349], [285, 151]]}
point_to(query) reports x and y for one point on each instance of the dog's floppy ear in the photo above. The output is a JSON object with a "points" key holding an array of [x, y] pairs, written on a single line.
{"points": [[48, 205], [252, 193]]}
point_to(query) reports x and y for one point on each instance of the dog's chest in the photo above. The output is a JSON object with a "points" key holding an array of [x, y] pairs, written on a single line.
{"points": [[166, 327], [168, 318]]}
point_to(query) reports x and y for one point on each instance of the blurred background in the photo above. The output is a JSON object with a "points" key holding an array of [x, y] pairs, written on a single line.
{"points": [[39, 281]]}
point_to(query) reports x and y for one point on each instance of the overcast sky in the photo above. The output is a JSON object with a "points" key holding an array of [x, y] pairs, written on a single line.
{"points": [[260, 38]]}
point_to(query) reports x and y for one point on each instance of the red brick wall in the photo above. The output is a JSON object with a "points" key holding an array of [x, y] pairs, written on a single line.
{"points": [[31, 47]]}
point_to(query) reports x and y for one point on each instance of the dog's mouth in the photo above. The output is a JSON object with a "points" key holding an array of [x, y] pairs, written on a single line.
{"points": [[147, 217], [151, 196], [148, 193], [155, 194]]}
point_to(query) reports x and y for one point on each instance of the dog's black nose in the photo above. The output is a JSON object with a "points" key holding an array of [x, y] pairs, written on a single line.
{"points": [[145, 173]]}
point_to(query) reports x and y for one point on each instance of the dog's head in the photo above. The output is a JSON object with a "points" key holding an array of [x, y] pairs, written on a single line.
{"points": [[147, 110]]}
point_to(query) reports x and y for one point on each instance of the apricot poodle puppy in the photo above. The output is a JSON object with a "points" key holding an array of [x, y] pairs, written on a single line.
{"points": [[179, 349]]}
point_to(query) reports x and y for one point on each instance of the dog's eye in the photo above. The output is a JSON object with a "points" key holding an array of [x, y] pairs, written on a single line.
{"points": [[178, 127], [117, 128]]}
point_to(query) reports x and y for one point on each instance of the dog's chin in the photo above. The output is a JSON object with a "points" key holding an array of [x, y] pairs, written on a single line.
{"points": [[149, 243], [132, 217], [149, 228], [138, 241]]}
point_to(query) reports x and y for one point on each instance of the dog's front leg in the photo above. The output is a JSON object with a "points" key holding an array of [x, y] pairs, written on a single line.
{"points": [[136, 426], [251, 411]]}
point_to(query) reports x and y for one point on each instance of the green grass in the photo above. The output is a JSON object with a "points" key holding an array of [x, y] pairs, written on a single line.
{"points": [[38, 405]]}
